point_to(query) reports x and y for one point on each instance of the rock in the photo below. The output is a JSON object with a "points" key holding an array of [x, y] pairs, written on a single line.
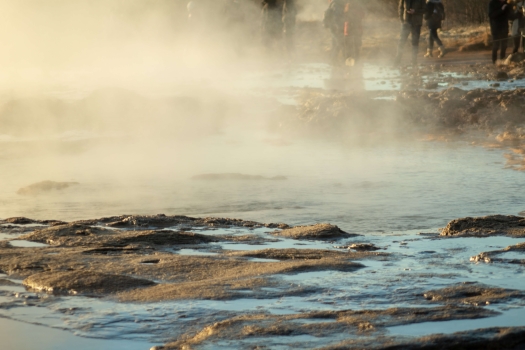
{"points": [[318, 231], [44, 187], [495, 85], [471, 293], [235, 176], [431, 85], [83, 282], [485, 226], [500, 76], [19, 220], [498, 256], [363, 246], [515, 58], [454, 93]]}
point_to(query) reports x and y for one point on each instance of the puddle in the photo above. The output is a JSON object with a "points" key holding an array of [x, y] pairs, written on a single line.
{"points": [[193, 252], [281, 243], [27, 244], [5, 299], [263, 260], [17, 289], [6, 236], [18, 335], [510, 318]]}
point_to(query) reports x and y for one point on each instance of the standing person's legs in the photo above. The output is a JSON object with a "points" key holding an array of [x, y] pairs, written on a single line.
{"points": [[517, 41], [438, 41], [521, 39], [406, 28], [436, 37], [430, 44], [431, 38], [416, 33], [504, 42], [495, 45], [336, 47]]}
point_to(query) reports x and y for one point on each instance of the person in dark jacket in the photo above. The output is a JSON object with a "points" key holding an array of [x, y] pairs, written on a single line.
{"points": [[334, 19], [518, 27], [435, 15], [272, 22], [353, 29], [344, 18], [411, 14], [500, 13]]}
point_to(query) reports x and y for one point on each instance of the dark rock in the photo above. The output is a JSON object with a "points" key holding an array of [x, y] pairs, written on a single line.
{"points": [[485, 226], [318, 231], [500, 76], [363, 246], [431, 85]]}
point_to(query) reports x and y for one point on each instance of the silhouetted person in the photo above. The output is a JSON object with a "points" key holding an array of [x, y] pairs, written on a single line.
{"points": [[289, 19], [500, 13], [334, 20], [518, 27], [344, 18], [353, 28], [272, 22], [435, 15], [411, 14]]}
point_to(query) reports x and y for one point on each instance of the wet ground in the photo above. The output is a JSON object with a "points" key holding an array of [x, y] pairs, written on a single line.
{"points": [[414, 278], [246, 285]]}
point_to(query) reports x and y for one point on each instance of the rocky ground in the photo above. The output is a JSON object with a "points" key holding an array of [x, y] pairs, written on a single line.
{"points": [[132, 259]]}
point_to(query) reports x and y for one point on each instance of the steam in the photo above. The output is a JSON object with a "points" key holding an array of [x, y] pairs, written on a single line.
{"points": [[128, 94]]}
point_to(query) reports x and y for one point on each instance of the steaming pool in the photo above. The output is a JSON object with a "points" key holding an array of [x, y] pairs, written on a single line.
{"points": [[389, 193]]}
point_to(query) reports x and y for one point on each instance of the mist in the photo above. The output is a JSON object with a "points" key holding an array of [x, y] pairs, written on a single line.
{"points": [[130, 98]]}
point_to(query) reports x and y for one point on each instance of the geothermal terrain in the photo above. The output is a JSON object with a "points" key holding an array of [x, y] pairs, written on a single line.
{"points": [[177, 197]]}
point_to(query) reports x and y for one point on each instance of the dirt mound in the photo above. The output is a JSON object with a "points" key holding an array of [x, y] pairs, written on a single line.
{"points": [[498, 256], [19, 220], [83, 282], [163, 221], [496, 338], [471, 293], [44, 187], [485, 226], [478, 43], [318, 231], [83, 235]]}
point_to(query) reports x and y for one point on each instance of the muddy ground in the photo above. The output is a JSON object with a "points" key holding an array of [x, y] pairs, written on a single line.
{"points": [[135, 259]]}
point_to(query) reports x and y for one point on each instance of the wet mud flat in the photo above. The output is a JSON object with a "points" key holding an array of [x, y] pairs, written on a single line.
{"points": [[477, 103], [202, 283]]}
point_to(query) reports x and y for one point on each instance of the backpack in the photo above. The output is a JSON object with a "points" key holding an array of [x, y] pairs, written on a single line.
{"points": [[439, 13], [334, 14]]}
